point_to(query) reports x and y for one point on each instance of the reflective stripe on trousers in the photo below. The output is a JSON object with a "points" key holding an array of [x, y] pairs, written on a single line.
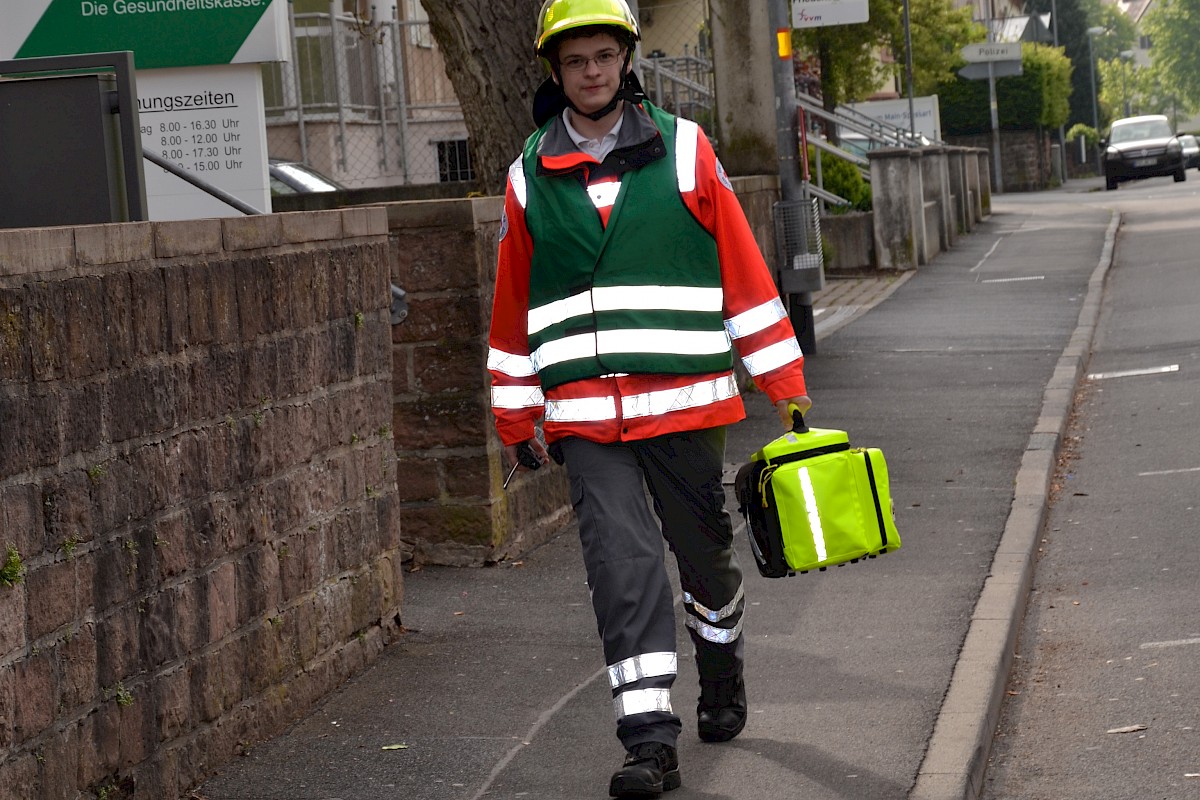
{"points": [[624, 557]]}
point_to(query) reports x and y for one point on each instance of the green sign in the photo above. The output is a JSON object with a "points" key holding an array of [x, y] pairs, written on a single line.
{"points": [[161, 33]]}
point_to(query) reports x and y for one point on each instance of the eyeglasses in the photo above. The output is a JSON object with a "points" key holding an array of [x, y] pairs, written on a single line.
{"points": [[603, 59]]}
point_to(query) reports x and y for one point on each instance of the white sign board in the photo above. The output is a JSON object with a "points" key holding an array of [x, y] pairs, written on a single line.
{"points": [[199, 83], [210, 122], [992, 51], [819, 13], [895, 113]]}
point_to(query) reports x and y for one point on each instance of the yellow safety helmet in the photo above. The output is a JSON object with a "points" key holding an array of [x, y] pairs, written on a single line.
{"points": [[558, 16]]}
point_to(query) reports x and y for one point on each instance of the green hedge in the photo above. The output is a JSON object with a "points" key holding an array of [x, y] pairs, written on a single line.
{"points": [[1038, 98]]}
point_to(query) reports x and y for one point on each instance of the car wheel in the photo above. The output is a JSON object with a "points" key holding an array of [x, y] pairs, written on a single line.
{"points": [[1110, 183], [1180, 175]]}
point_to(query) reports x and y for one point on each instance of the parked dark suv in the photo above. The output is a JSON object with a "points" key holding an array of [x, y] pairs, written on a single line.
{"points": [[1142, 147]]}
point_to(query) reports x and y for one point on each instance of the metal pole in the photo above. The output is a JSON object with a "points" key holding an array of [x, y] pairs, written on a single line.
{"points": [[787, 143], [297, 86], [1095, 101], [908, 71], [1062, 131], [993, 106]]}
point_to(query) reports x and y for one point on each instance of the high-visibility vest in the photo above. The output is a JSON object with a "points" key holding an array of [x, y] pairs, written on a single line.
{"points": [[640, 295]]}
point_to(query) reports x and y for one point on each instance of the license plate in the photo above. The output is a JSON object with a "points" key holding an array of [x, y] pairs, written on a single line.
{"points": [[1145, 162]]}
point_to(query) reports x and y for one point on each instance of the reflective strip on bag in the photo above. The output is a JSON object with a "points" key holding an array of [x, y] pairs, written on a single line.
{"points": [[624, 298], [641, 701], [756, 319], [581, 409], [517, 397], [686, 135], [716, 616], [814, 514], [664, 401], [510, 364], [647, 665], [772, 357], [713, 634]]}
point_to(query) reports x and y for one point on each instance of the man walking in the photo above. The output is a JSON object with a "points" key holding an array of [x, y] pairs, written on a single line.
{"points": [[627, 275]]}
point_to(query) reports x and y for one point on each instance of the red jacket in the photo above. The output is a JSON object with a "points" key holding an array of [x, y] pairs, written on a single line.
{"points": [[638, 406]]}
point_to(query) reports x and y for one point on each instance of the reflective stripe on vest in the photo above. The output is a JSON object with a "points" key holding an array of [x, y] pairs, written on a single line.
{"points": [[756, 319], [517, 397], [586, 345], [510, 364], [641, 701], [686, 134], [647, 665], [599, 409], [664, 401], [711, 633], [720, 614], [604, 195], [582, 409], [626, 298], [772, 357], [516, 176]]}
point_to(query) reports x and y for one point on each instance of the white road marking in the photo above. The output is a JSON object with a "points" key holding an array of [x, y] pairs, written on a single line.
{"points": [[1014, 280], [1168, 472], [1133, 373], [1173, 643]]}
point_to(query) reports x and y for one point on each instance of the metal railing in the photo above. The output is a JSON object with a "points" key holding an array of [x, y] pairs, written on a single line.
{"points": [[681, 84]]}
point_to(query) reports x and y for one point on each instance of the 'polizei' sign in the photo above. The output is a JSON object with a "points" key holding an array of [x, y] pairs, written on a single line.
{"points": [[161, 33]]}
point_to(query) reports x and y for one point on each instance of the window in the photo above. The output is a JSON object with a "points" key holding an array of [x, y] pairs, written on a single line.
{"points": [[419, 33], [454, 161]]}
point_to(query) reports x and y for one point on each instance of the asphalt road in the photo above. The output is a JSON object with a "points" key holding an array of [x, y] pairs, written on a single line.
{"points": [[1104, 701]]}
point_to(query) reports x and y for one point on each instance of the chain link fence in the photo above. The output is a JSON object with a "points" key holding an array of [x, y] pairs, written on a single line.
{"points": [[676, 57], [366, 100]]}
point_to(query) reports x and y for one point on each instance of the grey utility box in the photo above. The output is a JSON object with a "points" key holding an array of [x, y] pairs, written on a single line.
{"points": [[60, 152]]}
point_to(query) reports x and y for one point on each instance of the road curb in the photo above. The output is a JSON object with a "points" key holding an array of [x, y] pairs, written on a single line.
{"points": [[956, 759]]}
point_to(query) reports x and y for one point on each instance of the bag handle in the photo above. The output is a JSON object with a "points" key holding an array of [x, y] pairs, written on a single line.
{"points": [[798, 425]]}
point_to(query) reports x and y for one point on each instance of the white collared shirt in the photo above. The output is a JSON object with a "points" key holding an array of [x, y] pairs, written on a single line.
{"points": [[596, 148]]}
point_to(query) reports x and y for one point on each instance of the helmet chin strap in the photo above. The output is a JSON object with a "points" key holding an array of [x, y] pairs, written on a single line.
{"points": [[630, 90]]}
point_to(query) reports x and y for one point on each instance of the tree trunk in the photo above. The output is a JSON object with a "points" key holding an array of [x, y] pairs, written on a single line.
{"points": [[488, 51]]}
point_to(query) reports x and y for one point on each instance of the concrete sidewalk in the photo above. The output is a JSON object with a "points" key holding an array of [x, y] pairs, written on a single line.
{"points": [[881, 680]]}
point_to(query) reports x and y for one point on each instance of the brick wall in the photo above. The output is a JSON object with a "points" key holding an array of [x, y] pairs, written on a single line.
{"points": [[450, 467], [196, 475]]}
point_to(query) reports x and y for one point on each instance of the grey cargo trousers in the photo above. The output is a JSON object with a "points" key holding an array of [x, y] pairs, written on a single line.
{"points": [[623, 554]]}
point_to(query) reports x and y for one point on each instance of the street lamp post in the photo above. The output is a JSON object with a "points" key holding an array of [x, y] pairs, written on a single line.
{"points": [[1126, 55], [1091, 34]]}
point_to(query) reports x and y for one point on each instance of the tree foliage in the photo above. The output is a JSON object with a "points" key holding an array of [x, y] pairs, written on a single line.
{"points": [[939, 33], [850, 68], [1172, 26]]}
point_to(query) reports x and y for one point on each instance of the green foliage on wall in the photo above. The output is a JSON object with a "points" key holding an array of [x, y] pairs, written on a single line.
{"points": [[843, 179]]}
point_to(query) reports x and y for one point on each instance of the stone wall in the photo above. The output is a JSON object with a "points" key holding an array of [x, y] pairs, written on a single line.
{"points": [[1024, 157], [197, 491], [450, 465]]}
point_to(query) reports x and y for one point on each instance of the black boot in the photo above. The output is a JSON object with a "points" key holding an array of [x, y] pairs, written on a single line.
{"points": [[649, 770], [721, 712]]}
